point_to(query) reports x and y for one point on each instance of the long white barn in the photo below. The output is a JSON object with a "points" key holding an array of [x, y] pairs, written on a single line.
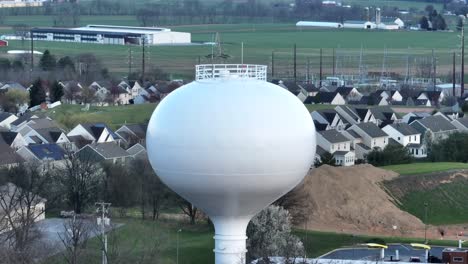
{"points": [[107, 34]]}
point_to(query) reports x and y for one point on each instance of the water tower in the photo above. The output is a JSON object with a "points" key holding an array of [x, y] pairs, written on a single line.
{"points": [[231, 144]]}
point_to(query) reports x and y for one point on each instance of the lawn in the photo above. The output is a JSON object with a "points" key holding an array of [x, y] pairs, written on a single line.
{"points": [[260, 40], [196, 243], [425, 167], [114, 116]]}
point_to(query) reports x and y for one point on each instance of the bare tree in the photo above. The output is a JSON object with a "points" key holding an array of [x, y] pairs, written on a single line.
{"points": [[188, 209], [21, 205], [81, 179], [77, 232]]}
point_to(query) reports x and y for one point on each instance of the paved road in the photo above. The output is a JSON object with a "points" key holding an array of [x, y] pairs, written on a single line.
{"points": [[405, 252], [51, 229]]}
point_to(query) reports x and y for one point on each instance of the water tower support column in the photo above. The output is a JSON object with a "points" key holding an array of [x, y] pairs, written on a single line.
{"points": [[230, 240]]}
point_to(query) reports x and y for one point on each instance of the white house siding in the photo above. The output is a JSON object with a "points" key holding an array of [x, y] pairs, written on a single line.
{"points": [[7, 122], [332, 147], [418, 152], [400, 138], [378, 142], [397, 97], [338, 100], [80, 131], [345, 160], [19, 142]]}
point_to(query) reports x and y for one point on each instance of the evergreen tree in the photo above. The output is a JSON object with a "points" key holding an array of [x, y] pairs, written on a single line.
{"points": [[36, 93], [66, 62], [424, 23], [56, 92], [47, 62]]}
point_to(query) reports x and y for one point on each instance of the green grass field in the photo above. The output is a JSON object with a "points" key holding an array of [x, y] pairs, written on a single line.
{"points": [[425, 167], [114, 116], [260, 40], [196, 242]]}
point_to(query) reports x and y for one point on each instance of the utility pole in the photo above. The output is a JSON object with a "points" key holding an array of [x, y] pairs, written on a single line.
{"points": [[242, 53], [295, 64], [433, 71], [320, 81], [177, 253], [272, 64], [453, 75], [308, 70], [102, 221], [425, 221], [143, 55], [130, 61], [31, 36], [334, 61], [462, 82]]}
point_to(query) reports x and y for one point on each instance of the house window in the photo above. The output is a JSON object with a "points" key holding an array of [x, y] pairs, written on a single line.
{"points": [[457, 259], [414, 138], [375, 142], [412, 151], [417, 150]]}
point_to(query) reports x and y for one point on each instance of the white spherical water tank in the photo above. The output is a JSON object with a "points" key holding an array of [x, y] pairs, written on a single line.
{"points": [[231, 146]]}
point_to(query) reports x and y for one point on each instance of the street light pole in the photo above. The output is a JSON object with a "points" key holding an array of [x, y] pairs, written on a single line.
{"points": [[177, 253], [103, 209], [425, 221]]}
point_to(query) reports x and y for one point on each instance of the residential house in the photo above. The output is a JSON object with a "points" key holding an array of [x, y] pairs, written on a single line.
{"points": [[6, 119], [15, 200], [434, 97], [137, 90], [350, 114], [349, 93], [434, 128], [372, 135], [94, 132], [131, 134], [407, 136], [410, 117], [72, 91], [49, 155], [335, 143], [329, 118], [333, 98], [99, 152], [13, 139], [8, 86], [102, 91], [308, 92], [461, 124], [9, 157], [137, 151], [23, 119], [360, 149], [43, 131], [383, 115]]}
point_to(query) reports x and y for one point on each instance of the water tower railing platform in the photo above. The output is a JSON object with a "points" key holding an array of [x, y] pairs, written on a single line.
{"points": [[213, 71]]}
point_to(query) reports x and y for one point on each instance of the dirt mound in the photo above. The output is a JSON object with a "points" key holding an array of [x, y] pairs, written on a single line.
{"points": [[352, 200]]}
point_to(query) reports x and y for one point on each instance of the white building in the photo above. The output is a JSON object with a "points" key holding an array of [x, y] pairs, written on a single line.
{"points": [[372, 135], [403, 133], [119, 35], [337, 144], [319, 24]]}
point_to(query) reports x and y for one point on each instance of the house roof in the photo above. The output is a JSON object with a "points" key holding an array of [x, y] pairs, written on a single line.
{"points": [[320, 151], [135, 149], [4, 115], [340, 153], [463, 121], [353, 134], [309, 87], [404, 129], [363, 146], [372, 130], [319, 126], [432, 95], [24, 118], [350, 111], [96, 129], [333, 136], [436, 124], [8, 155], [344, 91], [325, 97], [50, 134], [138, 129], [382, 112], [47, 151], [7, 137], [40, 123], [109, 150]]}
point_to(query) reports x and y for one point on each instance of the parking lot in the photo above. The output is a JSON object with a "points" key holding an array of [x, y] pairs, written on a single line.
{"points": [[363, 253]]}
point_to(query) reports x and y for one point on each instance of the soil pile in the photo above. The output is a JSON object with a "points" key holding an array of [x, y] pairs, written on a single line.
{"points": [[353, 200]]}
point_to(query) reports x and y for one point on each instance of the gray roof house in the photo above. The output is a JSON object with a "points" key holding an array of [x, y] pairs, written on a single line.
{"points": [[434, 128], [334, 142], [108, 151], [461, 124], [372, 135]]}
